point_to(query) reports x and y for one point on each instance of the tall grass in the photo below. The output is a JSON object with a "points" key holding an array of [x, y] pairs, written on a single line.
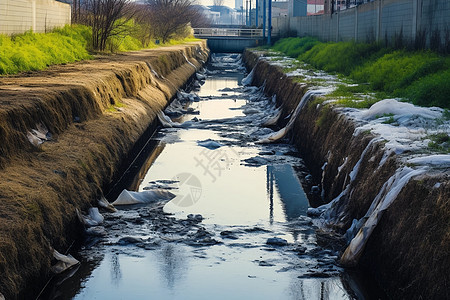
{"points": [[422, 77], [293, 47], [36, 51]]}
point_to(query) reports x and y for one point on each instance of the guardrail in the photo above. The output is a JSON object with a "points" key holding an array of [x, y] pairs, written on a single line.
{"points": [[236, 32]]}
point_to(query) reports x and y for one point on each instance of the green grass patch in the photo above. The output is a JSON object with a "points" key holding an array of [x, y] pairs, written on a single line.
{"points": [[36, 51], [421, 77], [440, 142], [293, 47], [341, 57]]}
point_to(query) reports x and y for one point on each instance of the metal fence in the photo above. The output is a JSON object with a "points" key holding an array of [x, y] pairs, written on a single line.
{"points": [[231, 32]]}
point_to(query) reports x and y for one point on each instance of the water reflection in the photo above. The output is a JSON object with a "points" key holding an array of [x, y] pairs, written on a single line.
{"points": [[172, 264], [116, 272], [255, 202]]}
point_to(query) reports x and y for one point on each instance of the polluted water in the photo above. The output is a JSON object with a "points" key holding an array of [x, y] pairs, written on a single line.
{"points": [[214, 213]]}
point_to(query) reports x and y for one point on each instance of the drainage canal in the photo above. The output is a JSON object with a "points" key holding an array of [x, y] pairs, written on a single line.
{"points": [[229, 219]]}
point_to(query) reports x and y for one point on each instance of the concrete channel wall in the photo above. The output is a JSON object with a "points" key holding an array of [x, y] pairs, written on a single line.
{"points": [[407, 252], [415, 21], [95, 111], [18, 16]]}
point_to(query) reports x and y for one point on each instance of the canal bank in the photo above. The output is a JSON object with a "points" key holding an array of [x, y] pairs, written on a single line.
{"points": [[213, 213], [363, 176], [64, 134]]}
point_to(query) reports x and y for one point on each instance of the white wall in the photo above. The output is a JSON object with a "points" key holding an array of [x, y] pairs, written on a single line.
{"points": [[18, 16], [377, 20]]}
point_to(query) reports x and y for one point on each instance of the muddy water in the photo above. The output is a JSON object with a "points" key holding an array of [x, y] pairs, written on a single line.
{"points": [[214, 240]]}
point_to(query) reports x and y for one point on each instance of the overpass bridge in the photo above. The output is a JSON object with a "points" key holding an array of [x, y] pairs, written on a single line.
{"points": [[230, 39]]}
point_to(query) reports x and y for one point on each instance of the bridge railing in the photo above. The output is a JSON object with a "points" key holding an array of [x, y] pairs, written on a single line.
{"points": [[236, 32]]}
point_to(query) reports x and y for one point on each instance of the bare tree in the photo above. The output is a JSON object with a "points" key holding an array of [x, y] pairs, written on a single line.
{"points": [[199, 19], [107, 18], [170, 17]]}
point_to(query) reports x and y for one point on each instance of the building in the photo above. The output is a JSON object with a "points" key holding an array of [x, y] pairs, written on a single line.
{"points": [[298, 8], [315, 7], [18, 16]]}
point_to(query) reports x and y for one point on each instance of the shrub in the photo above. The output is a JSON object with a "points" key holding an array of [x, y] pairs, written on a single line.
{"points": [[294, 47], [395, 71], [431, 90], [341, 57]]}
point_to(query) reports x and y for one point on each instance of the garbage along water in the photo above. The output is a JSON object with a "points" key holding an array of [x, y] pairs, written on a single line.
{"points": [[213, 214]]}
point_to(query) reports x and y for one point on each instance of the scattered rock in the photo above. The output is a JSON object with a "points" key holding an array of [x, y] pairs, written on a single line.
{"points": [[315, 274], [129, 240], [275, 241], [228, 235], [256, 229], [300, 250], [264, 263], [197, 218], [210, 144], [201, 233], [315, 189], [207, 241]]}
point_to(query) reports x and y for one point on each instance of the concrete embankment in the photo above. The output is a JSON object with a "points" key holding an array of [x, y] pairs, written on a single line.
{"points": [[407, 253], [88, 116]]}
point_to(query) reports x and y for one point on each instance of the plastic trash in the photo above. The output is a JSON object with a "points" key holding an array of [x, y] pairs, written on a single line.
{"points": [[64, 262], [273, 120], [247, 80], [151, 196], [210, 144], [103, 203], [93, 218], [283, 131], [382, 201], [168, 123], [39, 135], [96, 231]]}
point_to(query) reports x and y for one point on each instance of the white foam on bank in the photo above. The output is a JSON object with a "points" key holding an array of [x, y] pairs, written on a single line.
{"points": [[247, 80], [151, 196], [283, 131], [404, 129], [167, 122], [435, 160], [393, 106], [382, 201]]}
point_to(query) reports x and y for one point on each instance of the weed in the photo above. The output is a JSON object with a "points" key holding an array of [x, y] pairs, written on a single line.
{"points": [[439, 142], [418, 76], [391, 120]]}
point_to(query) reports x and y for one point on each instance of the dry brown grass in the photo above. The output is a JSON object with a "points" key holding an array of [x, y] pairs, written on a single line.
{"points": [[116, 98]]}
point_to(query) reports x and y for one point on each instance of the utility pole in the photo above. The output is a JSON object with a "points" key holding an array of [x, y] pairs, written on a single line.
{"points": [[256, 14], [250, 12], [264, 18], [246, 12], [269, 35]]}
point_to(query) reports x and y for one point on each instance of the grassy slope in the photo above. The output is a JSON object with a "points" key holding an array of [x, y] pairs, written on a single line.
{"points": [[422, 77], [36, 51]]}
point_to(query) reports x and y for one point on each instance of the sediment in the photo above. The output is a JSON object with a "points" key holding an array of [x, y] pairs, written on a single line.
{"points": [[95, 111], [407, 254]]}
